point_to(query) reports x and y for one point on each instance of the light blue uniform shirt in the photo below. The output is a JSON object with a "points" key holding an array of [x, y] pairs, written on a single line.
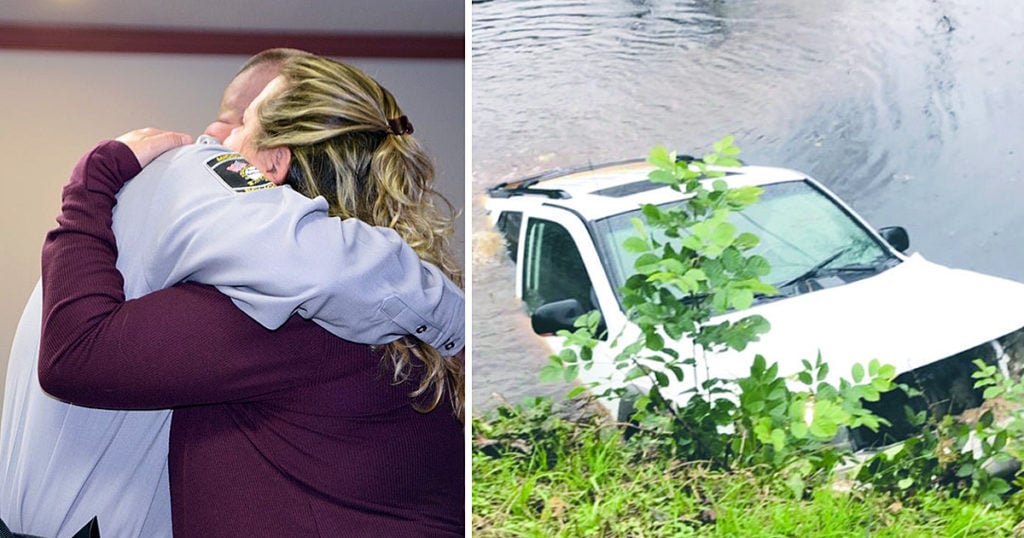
{"points": [[275, 253]]}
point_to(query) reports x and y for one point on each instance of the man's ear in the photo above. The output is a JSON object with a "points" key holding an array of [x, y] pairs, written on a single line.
{"points": [[280, 159]]}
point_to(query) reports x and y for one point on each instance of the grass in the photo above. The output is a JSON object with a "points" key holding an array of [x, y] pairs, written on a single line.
{"points": [[536, 475]]}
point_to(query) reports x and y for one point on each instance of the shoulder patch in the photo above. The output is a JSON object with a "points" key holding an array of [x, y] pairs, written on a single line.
{"points": [[237, 173]]}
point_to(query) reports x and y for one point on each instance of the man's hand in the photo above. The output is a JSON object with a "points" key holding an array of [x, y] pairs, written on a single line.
{"points": [[149, 143]]}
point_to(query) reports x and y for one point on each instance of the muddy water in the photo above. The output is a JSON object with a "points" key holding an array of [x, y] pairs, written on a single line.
{"points": [[911, 110]]}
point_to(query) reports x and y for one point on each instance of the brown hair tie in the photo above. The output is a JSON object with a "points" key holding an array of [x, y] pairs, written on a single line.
{"points": [[399, 126]]}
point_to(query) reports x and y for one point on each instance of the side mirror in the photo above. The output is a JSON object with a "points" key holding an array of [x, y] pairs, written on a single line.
{"points": [[550, 318], [896, 236]]}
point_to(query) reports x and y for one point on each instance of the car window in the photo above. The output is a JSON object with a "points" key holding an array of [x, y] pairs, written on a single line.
{"points": [[553, 269], [508, 224], [798, 225]]}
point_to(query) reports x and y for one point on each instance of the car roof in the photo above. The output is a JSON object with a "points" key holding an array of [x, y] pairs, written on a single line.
{"points": [[597, 191]]}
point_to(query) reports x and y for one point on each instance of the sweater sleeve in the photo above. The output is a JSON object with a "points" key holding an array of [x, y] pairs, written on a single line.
{"points": [[180, 346]]}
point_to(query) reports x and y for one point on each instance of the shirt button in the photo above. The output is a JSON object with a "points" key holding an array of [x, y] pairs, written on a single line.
{"points": [[449, 345], [421, 329]]}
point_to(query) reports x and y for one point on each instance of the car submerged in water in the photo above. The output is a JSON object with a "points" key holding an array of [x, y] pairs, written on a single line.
{"points": [[846, 290]]}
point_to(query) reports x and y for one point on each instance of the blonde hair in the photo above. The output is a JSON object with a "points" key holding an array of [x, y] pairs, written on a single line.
{"points": [[337, 122]]}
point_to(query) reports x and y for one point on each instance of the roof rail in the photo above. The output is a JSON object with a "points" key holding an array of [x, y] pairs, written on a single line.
{"points": [[523, 186], [508, 190]]}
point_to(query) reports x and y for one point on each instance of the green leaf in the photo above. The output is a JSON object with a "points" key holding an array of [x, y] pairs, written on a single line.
{"points": [[634, 373], [647, 263], [660, 157], [635, 244], [720, 300], [696, 275], [732, 260], [551, 372], [741, 299], [757, 266], [722, 235], [652, 212], [827, 417], [746, 241], [576, 391], [673, 265], [999, 486], [1000, 441], [743, 196], [571, 372], [593, 319], [796, 484], [905, 483], [662, 177], [823, 372], [638, 225], [881, 383], [693, 243], [758, 366], [858, 372], [778, 439], [654, 341], [728, 161]]}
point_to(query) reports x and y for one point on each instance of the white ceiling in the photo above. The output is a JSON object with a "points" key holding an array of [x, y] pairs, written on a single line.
{"points": [[445, 17]]}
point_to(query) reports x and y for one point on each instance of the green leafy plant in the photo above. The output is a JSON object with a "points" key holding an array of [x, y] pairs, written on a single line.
{"points": [[522, 431], [694, 268], [970, 457], [601, 485], [786, 421], [691, 266]]}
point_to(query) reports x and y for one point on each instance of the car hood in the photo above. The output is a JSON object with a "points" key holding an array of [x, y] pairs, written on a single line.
{"points": [[911, 315]]}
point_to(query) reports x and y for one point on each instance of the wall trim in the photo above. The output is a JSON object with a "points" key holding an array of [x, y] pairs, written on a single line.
{"points": [[174, 41]]}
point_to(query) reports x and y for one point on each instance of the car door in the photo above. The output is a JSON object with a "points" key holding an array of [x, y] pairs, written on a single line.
{"points": [[556, 261]]}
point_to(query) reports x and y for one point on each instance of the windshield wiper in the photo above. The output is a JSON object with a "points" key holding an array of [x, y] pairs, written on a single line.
{"points": [[813, 271]]}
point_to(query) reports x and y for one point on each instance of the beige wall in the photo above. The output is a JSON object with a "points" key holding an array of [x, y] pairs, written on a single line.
{"points": [[56, 106]]}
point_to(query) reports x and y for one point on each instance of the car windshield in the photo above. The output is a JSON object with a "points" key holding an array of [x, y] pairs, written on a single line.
{"points": [[803, 233]]}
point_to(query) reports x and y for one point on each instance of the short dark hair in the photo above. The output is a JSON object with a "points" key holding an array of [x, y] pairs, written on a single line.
{"points": [[271, 56]]}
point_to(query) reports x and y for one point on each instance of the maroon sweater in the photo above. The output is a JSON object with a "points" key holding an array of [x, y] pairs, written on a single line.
{"points": [[292, 432]]}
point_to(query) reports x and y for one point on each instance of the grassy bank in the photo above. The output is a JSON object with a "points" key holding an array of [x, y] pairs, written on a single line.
{"points": [[536, 474]]}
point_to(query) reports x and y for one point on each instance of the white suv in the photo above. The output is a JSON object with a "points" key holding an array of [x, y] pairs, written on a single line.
{"points": [[846, 290]]}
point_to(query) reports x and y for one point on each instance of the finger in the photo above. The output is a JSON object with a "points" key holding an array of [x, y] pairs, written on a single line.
{"points": [[148, 143], [170, 140], [155, 144]]}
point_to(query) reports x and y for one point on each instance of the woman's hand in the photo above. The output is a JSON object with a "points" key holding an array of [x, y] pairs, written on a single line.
{"points": [[148, 143]]}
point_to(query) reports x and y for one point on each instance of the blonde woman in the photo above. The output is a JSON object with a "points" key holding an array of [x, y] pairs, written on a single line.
{"points": [[292, 432], [327, 129]]}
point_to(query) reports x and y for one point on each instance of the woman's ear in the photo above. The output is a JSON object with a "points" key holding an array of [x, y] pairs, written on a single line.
{"points": [[279, 159]]}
